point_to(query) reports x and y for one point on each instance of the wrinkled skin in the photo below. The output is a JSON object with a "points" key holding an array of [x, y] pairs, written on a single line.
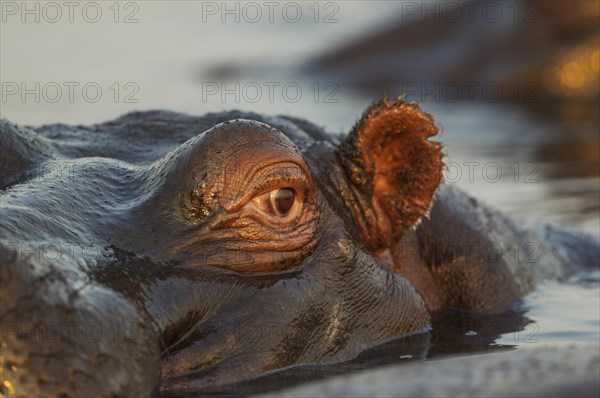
{"points": [[151, 254]]}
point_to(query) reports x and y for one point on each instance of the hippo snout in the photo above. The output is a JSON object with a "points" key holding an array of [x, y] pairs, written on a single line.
{"points": [[64, 335]]}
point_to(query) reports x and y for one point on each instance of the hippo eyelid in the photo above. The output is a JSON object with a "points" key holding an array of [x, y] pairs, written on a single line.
{"points": [[272, 177]]}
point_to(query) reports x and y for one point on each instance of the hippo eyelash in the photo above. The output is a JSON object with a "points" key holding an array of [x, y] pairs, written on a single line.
{"points": [[294, 183], [266, 189], [296, 180]]}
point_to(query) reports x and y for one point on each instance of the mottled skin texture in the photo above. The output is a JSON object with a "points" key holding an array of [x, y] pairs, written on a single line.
{"points": [[141, 255]]}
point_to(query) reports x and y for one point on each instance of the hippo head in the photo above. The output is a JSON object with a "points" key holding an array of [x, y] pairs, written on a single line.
{"points": [[133, 262]]}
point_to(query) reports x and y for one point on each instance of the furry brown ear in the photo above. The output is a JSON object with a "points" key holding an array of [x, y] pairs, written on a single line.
{"points": [[393, 168]]}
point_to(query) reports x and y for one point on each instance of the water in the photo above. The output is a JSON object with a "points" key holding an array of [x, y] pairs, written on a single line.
{"points": [[561, 313], [535, 165]]}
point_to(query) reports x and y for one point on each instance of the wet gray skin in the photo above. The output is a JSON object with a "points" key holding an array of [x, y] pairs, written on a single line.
{"points": [[164, 253]]}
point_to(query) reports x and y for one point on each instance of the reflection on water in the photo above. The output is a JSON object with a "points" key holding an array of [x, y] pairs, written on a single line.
{"points": [[534, 170], [563, 312]]}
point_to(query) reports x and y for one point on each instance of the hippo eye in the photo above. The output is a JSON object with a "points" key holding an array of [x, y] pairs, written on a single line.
{"points": [[283, 204], [282, 200], [279, 192]]}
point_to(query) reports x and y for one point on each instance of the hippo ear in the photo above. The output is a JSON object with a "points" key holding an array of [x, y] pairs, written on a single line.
{"points": [[393, 169]]}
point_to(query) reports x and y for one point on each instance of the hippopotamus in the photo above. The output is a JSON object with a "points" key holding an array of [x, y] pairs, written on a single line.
{"points": [[162, 253]]}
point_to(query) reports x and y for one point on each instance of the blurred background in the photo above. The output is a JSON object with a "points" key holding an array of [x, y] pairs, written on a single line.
{"points": [[513, 85]]}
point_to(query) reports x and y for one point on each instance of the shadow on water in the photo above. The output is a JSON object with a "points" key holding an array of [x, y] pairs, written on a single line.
{"points": [[452, 332]]}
